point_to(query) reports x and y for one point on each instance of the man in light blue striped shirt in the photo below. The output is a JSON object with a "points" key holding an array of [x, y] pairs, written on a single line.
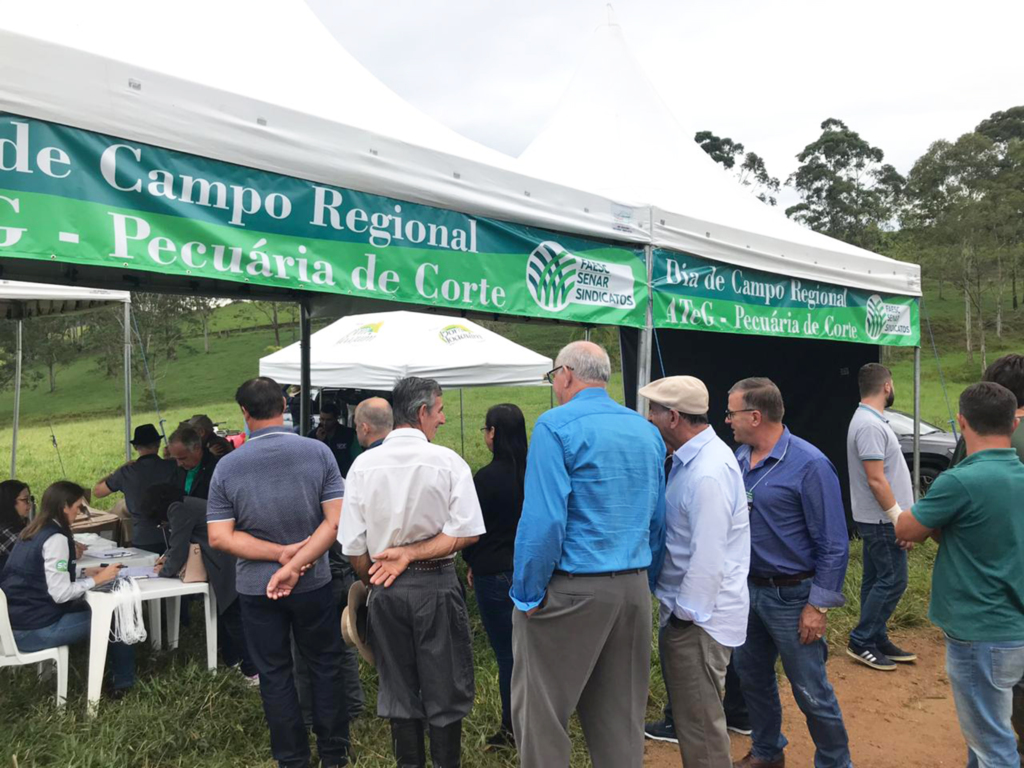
{"points": [[702, 586]]}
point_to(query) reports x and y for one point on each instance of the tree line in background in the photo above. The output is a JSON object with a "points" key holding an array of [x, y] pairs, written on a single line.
{"points": [[163, 326], [959, 212]]}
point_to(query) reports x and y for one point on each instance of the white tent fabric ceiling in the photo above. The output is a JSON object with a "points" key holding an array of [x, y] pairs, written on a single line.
{"points": [[613, 163]]}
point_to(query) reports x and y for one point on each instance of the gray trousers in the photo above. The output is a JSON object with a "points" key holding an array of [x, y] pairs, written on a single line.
{"points": [[588, 649], [418, 629], [695, 664]]}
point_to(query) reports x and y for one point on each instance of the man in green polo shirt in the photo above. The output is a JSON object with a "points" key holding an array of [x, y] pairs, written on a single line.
{"points": [[974, 510]]}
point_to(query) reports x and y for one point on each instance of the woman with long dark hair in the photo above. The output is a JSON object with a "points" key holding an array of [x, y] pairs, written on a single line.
{"points": [[45, 601], [499, 487], [15, 506]]}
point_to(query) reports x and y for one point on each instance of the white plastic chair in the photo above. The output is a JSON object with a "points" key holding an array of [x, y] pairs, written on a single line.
{"points": [[10, 656]]}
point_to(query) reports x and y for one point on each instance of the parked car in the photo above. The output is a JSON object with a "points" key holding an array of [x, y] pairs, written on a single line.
{"points": [[936, 445]]}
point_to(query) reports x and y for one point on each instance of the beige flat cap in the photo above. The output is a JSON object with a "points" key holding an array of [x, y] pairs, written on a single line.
{"points": [[685, 394]]}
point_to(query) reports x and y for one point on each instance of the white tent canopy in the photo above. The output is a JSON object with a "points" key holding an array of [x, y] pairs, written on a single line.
{"points": [[24, 300], [187, 77], [612, 134], [19, 301], [373, 351]]}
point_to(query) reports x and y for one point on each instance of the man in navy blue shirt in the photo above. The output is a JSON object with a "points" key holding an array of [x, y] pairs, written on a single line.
{"points": [[799, 551], [593, 522]]}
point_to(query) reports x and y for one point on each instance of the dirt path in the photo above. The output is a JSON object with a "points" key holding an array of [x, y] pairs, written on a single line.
{"points": [[901, 719]]}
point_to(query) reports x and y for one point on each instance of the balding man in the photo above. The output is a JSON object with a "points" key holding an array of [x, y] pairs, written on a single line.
{"points": [[702, 586], [373, 422], [593, 522]]}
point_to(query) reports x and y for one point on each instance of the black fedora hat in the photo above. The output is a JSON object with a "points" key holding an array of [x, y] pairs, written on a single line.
{"points": [[146, 434]]}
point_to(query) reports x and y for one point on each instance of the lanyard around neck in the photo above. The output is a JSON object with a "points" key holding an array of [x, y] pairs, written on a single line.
{"points": [[770, 470]]}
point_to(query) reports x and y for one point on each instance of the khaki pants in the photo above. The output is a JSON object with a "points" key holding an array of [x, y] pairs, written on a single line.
{"points": [[695, 665], [588, 649]]}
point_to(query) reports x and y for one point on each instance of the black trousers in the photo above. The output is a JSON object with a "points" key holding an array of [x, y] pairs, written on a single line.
{"points": [[312, 618]]}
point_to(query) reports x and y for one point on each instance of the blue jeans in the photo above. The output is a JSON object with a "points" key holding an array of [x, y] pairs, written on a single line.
{"points": [[883, 584], [772, 631], [496, 614], [71, 628], [982, 676]]}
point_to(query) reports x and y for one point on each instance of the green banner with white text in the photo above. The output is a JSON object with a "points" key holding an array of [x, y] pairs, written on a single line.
{"points": [[697, 294], [79, 197]]}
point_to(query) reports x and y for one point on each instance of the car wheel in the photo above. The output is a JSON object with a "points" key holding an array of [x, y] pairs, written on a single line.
{"points": [[928, 475]]}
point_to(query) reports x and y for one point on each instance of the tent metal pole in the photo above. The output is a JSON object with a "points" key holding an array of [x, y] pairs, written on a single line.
{"points": [[917, 423], [462, 422], [17, 404], [644, 348], [127, 382], [304, 365]]}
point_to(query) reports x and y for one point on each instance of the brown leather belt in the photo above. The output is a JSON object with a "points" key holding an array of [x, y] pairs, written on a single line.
{"points": [[788, 580]]}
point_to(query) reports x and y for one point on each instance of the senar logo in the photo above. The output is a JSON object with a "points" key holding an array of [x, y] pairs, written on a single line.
{"points": [[877, 312], [551, 276]]}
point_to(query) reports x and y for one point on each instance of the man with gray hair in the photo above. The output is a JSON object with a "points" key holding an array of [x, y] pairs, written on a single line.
{"points": [[593, 525], [185, 446], [409, 507], [373, 421]]}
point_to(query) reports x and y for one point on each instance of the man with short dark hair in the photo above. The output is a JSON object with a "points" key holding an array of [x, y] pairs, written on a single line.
{"points": [[411, 505], [978, 581], [275, 505], [340, 438], [133, 479], [588, 549], [702, 585], [196, 463], [879, 480], [799, 553]]}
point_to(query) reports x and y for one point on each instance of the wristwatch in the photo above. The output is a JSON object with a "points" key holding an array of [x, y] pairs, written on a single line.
{"points": [[819, 609]]}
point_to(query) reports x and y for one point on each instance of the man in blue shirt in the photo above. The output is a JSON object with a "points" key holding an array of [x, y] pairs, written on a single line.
{"points": [[592, 525], [702, 587], [799, 551]]}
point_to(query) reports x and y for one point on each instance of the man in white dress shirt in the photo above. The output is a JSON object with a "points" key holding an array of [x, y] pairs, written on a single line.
{"points": [[409, 507], [702, 587]]}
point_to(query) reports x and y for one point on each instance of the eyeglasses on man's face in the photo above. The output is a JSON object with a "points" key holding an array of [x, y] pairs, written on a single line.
{"points": [[549, 377], [730, 414]]}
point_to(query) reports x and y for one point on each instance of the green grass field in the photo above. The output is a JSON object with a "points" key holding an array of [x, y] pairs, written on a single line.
{"points": [[180, 715]]}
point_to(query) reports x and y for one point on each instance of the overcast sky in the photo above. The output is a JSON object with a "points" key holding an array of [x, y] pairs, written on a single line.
{"points": [[903, 73]]}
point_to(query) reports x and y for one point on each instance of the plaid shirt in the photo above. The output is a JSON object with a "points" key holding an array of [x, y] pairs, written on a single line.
{"points": [[8, 538]]}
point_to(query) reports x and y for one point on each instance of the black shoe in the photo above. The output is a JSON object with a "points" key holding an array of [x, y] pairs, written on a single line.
{"points": [[407, 743], [895, 653], [741, 727], [662, 730], [870, 656], [503, 739]]}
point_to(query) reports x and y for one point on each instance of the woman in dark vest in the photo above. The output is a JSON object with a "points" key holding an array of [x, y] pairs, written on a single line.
{"points": [[15, 507], [183, 520], [499, 487], [45, 601]]}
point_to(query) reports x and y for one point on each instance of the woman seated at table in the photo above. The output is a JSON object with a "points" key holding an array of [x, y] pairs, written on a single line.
{"points": [[45, 601], [15, 506], [183, 519]]}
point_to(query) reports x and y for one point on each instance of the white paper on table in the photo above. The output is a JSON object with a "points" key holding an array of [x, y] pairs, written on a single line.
{"points": [[108, 554], [94, 541], [137, 572]]}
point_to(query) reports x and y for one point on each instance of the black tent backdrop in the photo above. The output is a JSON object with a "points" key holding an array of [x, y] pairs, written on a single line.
{"points": [[818, 379]]}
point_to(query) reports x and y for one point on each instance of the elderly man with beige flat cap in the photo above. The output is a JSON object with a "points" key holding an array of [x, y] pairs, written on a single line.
{"points": [[702, 586]]}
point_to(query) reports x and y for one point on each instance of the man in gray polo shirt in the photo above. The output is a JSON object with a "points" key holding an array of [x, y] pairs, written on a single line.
{"points": [[275, 504], [879, 481]]}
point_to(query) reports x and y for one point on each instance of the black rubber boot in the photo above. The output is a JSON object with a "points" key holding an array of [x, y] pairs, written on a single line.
{"points": [[407, 743], [446, 745]]}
